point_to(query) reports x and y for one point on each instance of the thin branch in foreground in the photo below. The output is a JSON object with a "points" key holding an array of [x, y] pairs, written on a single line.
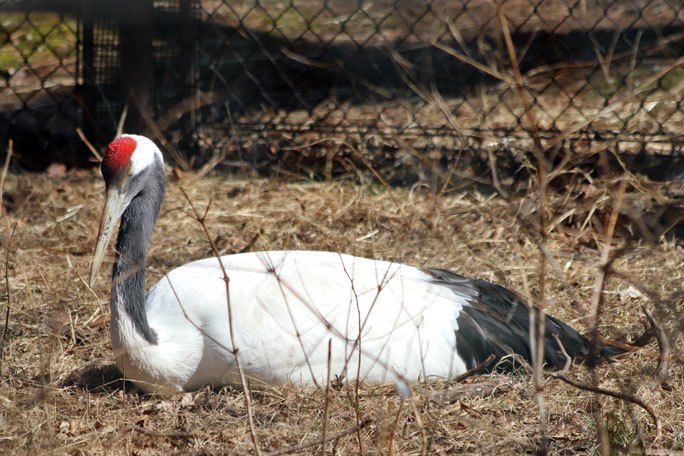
{"points": [[568, 360], [644, 338], [122, 120], [419, 422], [5, 168], [9, 232], [226, 279], [390, 440], [606, 261], [88, 144], [616, 394], [327, 400], [537, 329], [152, 433], [297, 448], [470, 390], [664, 348], [475, 370]]}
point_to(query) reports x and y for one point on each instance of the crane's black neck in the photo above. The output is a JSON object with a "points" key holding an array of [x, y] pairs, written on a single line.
{"points": [[135, 231]]}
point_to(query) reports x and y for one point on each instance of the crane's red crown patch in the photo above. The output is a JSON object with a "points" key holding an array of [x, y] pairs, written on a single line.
{"points": [[118, 154]]}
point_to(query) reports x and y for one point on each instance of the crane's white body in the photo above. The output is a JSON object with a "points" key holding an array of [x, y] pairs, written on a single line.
{"points": [[288, 308], [294, 316]]}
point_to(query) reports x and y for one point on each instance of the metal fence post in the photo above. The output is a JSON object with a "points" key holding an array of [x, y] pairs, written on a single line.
{"points": [[186, 56], [87, 69], [136, 63]]}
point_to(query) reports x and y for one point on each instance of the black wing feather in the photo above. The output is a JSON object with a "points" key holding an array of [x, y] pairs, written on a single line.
{"points": [[497, 321]]}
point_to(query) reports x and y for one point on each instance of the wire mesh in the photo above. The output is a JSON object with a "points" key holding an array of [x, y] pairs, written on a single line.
{"points": [[436, 76], [39, 63], [170, 85], [402, 81]]}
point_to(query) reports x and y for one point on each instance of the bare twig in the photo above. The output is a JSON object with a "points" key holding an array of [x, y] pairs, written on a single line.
{"points": [[7, 310], [5, 168], [520, 86], [9, 233], [419, 422], [604, 60], [474, 63], [475, 370], [664, 346], [122, 120], [568, 360], [495, 176], [327, 400], [597, 300], [390, 440], [377, 175], [152, 433], [599, 284], [616, 394], [297, 448], [88, 144], [470, 390], [645, 337], [537, 329], [226, 279]]}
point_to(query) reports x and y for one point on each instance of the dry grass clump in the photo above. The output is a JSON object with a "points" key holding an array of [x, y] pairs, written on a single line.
{"points": [[60, 393]]}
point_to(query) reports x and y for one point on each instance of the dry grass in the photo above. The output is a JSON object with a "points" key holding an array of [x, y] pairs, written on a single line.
{"points": [[60, 394]]}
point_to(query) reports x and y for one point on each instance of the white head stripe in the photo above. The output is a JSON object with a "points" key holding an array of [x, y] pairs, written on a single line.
{"points": [[145, 153]]}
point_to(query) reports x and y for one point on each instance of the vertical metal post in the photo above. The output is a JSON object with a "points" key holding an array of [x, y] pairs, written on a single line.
{"points": [[136, 54], [186, 56], [87, 69]]}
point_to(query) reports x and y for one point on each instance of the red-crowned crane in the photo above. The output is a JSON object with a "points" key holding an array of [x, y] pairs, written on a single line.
{"points": [[293, 311]]}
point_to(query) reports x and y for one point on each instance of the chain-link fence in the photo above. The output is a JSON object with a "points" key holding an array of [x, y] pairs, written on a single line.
{"points": [[325, 85], [39, 69], [415, 80]]}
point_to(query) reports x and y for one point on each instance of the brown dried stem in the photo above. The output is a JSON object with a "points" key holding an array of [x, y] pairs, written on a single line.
{"points": [[297, 448], [605, 263], [327, 400], [664, 348], [9, 233], [88, 144], [616, 394], [537, 329], [226, 279], [152, 433]]}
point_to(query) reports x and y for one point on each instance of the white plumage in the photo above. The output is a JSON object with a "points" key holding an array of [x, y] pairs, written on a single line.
{"points": [[381, 322], [286, 307]]}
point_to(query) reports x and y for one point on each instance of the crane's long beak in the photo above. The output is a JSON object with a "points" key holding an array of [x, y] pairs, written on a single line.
{"points": [[115, 203]]}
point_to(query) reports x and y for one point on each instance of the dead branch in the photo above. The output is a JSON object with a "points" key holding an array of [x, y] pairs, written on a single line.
{"points": [[664, 346], [475, 370], [10, 232], [536, 343], [122, 120], [226, 279], [616, 394], [327, 400], [469, 390], [88, 144], [646, 336], [152, 433], [606, 262], [390, 440], [297, 448], [568, 360], [419, 422]]}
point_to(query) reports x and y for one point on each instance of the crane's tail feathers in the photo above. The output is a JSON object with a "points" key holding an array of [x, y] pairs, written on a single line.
{"points": [[498, 321]]}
